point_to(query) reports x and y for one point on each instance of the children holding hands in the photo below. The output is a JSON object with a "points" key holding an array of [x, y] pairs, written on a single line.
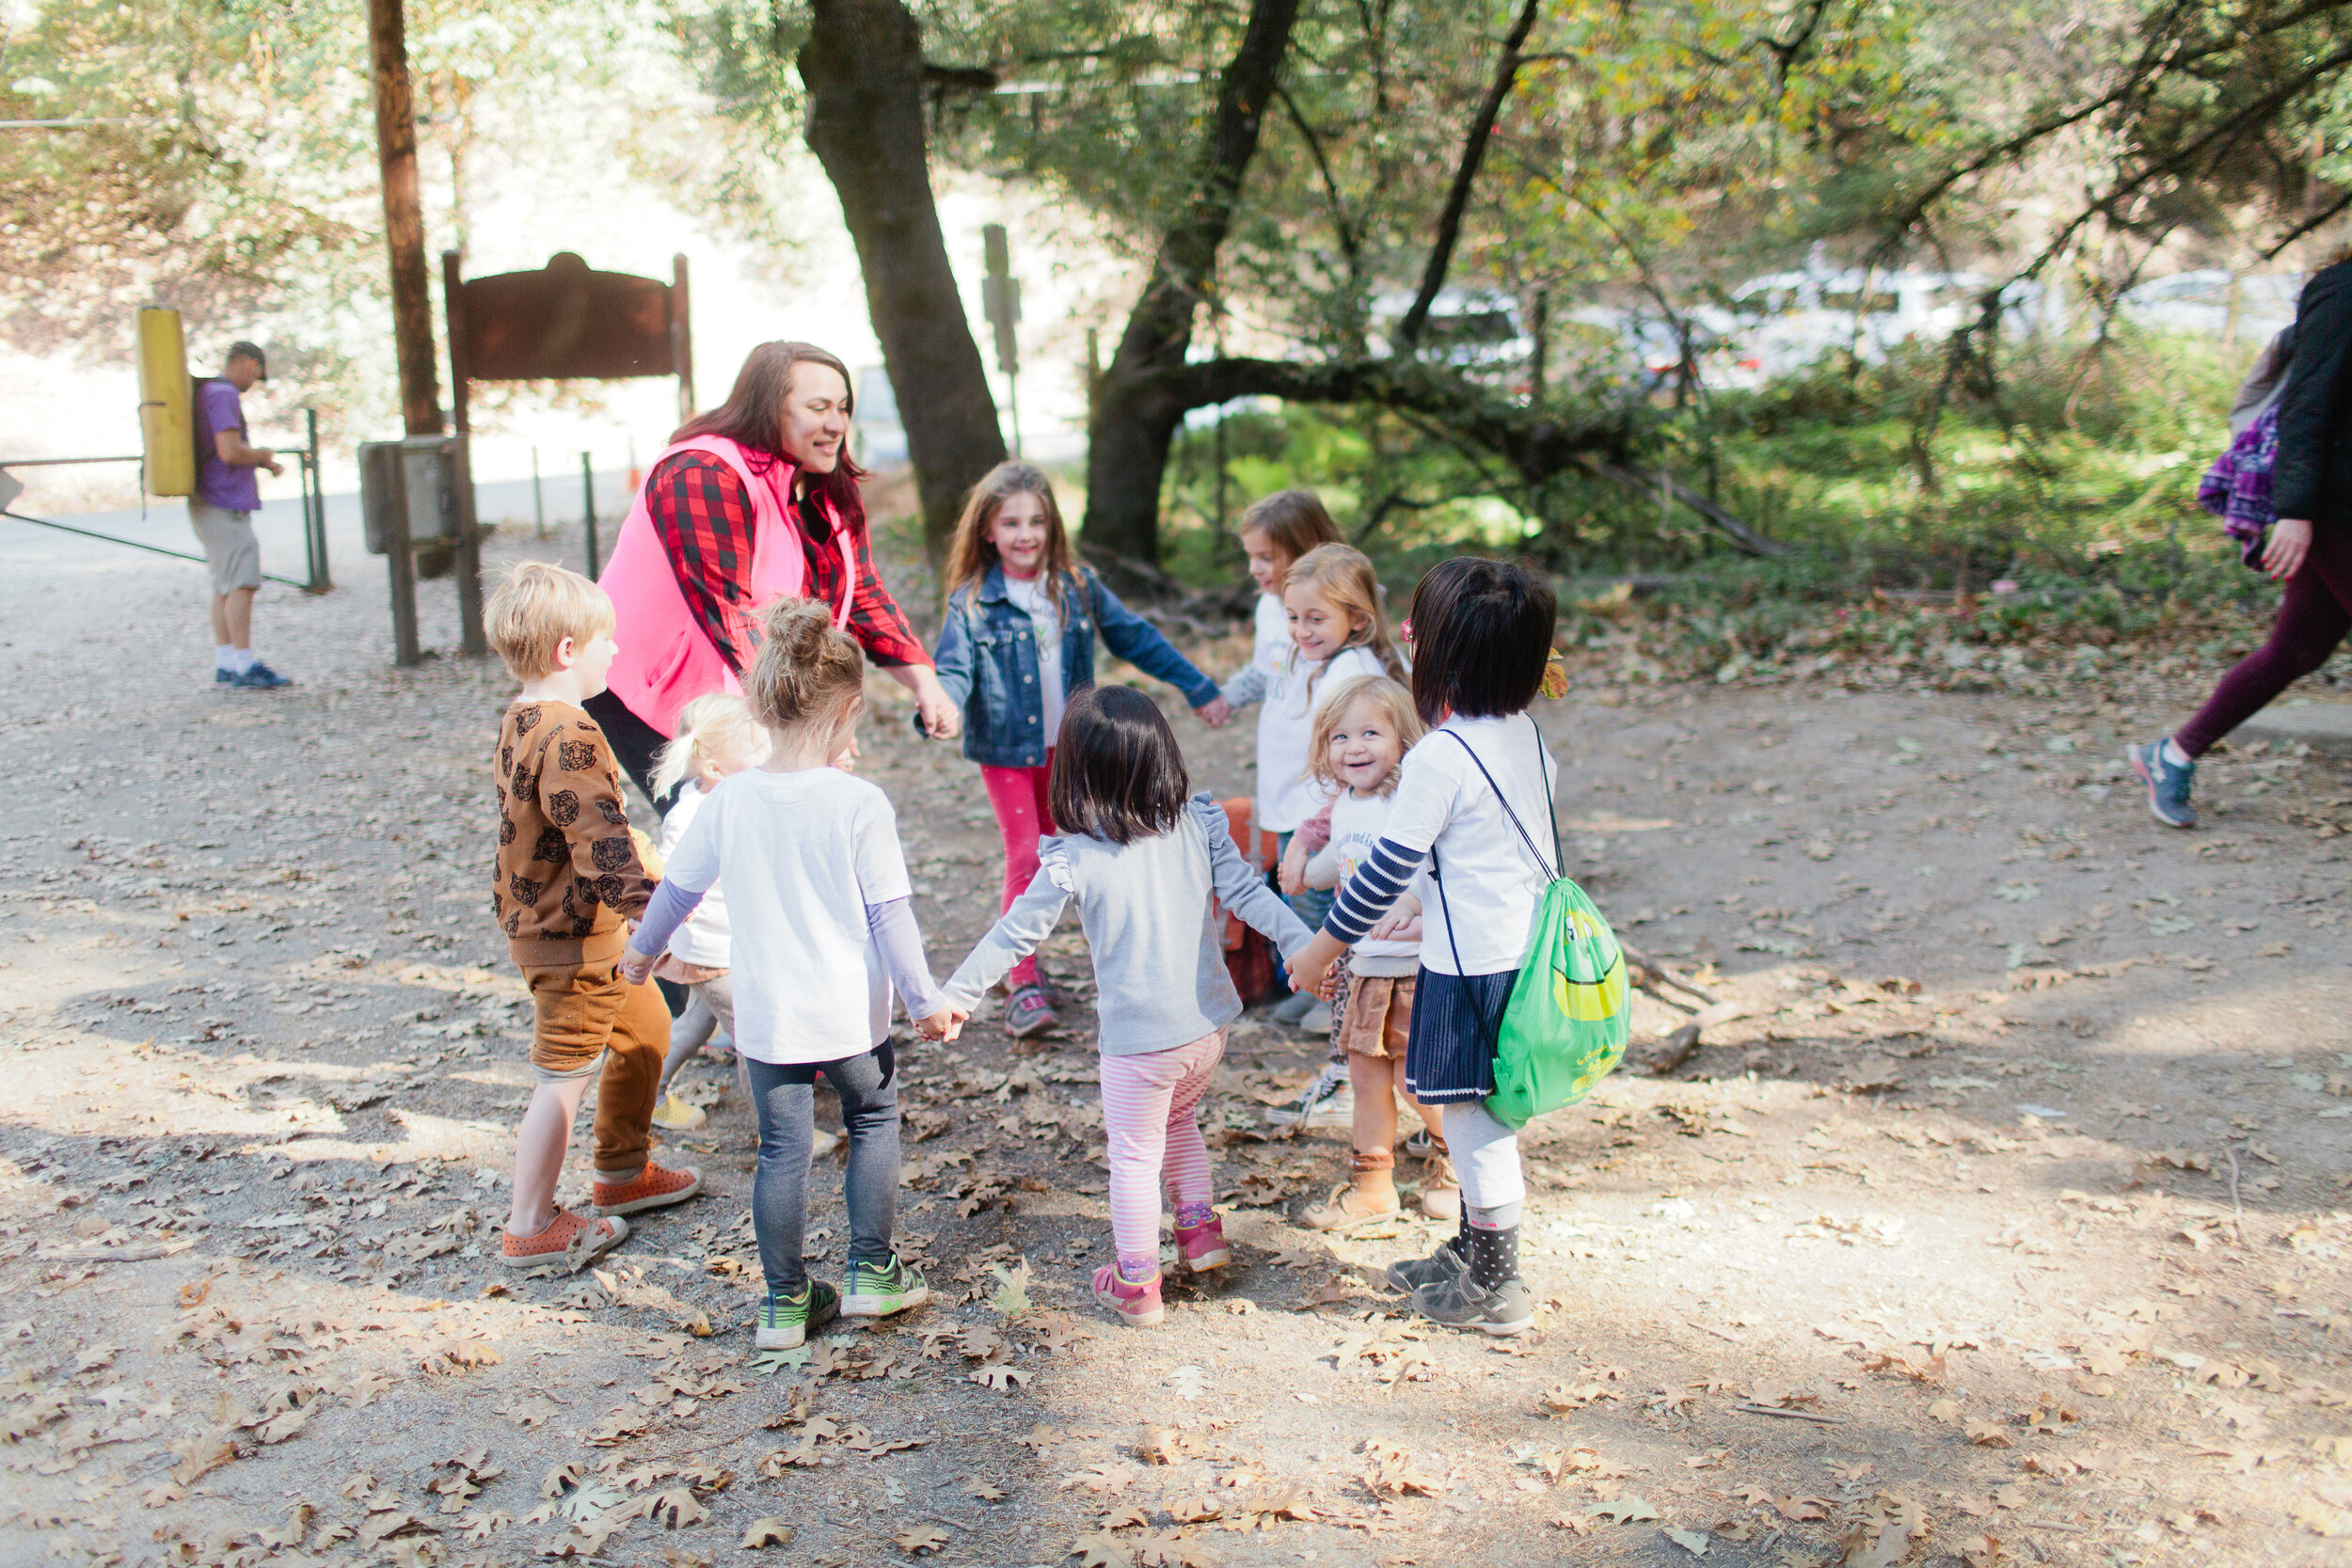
{"points": [[820, 902], [1147, 867], [568, 876], [1018, 641]]}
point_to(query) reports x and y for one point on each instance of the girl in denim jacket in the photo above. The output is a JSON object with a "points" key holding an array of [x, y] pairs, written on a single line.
{"points": [[1018, 639]]}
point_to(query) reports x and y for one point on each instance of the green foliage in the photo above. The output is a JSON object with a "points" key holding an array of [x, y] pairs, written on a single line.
{"points": [[2075, 481]]}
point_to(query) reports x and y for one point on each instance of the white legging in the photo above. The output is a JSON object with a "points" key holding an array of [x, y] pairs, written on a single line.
{"points": [[1486, 1156]]}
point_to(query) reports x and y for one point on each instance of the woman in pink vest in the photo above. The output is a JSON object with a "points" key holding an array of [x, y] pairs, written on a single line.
{"points": [[756, 500]]}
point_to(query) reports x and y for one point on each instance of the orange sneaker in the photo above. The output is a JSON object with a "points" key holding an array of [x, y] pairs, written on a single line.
{"points": [[654, 1188], [570, 1240]]}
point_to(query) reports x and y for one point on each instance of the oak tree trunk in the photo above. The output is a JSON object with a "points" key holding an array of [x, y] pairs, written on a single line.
{"points": [[1132, 423]]}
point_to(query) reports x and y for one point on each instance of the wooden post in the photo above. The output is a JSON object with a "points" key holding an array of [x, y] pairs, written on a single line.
{"points": [[472, 639], [682, 337], [400, 568], [404, 220]]}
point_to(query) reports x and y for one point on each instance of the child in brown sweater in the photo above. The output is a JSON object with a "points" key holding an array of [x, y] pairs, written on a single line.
{"points": [[568, 879]]}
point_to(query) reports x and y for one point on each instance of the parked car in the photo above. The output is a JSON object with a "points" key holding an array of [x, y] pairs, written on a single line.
{"points": [[2216, 303]]}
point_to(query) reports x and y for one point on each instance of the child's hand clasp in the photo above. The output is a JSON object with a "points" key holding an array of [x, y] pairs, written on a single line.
{"points": [[945, 1024], [636, 966]]}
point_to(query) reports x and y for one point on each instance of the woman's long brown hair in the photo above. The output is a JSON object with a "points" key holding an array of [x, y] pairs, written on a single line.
{"points": [[753, 419], [973, 552]]}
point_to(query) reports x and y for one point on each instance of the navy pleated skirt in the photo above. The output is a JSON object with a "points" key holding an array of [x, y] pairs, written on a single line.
{"points": [[1449, 1054]]}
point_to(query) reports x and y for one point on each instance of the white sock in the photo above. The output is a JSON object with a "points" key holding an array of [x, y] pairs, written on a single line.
{"points": [[2174, 754], [245, 661], [225, 658]]}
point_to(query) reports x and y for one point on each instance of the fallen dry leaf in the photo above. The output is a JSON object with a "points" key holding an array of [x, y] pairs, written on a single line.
{"points": [[1101, 1549], [917, 1539], [770, 1532]]}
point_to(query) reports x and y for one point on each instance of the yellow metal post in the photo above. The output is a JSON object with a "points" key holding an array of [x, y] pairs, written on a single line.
{"points": [[167, 422]]}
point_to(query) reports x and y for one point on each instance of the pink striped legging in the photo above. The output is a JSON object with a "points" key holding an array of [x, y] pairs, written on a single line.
{"points": [[1151, 1109]]}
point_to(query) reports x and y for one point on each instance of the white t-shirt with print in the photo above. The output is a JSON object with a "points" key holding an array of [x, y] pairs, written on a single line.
{"points": [[1488, 880], [1357, 823], [1287, 796], [1044, 612], [706, 938], [803, 853]]}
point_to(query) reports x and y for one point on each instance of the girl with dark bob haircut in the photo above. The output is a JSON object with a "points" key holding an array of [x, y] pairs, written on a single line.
{"points": [[1151, 874], [1117, 771], [1481, 637], [1473, 806]]}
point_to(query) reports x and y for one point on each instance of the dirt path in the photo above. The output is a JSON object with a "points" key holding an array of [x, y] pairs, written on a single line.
{"points": [[2008, 1222]]}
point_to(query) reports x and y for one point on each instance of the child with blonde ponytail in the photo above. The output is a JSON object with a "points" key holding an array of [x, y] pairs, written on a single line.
{"points": [[820, 902]]}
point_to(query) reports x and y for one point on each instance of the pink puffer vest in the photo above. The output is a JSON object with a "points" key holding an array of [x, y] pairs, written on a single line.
{"points": [[666, 659]]}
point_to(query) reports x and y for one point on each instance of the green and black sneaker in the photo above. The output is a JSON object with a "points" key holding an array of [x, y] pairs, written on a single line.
{"points": [[784, 1320], [878, 1289]]}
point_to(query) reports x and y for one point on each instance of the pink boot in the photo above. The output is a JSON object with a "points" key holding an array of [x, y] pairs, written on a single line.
{"points": [[1202, 1245], [1138, 1305]]}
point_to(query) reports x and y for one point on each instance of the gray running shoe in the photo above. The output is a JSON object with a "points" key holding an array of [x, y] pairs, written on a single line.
{"points": [[1029, 1013], [1329, 1101], [2168, 782], [1409, 1275], [1294, 1006], [1460, 1303]]}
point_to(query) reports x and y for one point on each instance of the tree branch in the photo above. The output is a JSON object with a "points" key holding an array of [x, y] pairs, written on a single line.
{"points": [[1465, 174], [1349, 246], [1160, 329]]}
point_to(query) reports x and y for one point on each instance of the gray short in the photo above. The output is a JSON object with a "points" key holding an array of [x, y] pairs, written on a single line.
{"points": [[229, 548]]}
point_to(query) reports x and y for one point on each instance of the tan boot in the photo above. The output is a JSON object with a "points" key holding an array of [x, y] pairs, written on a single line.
{"points": [[1369, 1195], [1441, 1194]]}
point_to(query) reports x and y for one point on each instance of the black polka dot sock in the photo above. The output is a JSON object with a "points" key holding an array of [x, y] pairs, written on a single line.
{"points": [[1490, 1244]]}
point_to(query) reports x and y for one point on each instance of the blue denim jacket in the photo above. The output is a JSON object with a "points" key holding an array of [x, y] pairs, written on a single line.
{"points": [[987, 659]]}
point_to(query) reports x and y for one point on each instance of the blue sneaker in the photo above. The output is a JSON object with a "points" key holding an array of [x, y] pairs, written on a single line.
{"points": [[2167, 783], [262, 677], [223, 678]]}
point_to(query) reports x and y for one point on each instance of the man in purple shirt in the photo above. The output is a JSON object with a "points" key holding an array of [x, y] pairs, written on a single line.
{"points": [[227, 496]]}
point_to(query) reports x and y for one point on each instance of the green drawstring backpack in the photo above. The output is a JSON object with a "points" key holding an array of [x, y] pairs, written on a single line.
{"points": [[1565, 1027]]}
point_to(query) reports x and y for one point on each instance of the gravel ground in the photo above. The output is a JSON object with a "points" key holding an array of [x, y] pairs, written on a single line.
{"points": [[2000, 1216]]}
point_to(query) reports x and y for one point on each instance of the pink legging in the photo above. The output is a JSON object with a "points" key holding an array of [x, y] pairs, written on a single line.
{"points": [[1151, 1109], [1023, 814], [2314, 615]]}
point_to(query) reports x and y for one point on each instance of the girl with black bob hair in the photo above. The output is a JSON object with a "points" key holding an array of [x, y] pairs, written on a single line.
{"points": [[1472, 802], [1147, 867]]}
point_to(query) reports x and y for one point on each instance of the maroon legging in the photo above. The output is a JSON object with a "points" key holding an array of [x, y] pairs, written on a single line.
{"points": [[2314, 616]]}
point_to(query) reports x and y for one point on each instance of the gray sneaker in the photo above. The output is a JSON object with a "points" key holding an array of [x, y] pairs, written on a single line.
{"points": [[2168, 782], [1460, 1303], [1329, 1101], [1294, 1006], [1028, 1013], [1409, 1275]]}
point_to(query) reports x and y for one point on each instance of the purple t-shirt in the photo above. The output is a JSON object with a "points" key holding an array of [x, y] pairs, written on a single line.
{"points": [[222, 484]]}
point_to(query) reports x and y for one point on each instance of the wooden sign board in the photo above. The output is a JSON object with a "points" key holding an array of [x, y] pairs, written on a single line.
{"points": [[567, 321]]}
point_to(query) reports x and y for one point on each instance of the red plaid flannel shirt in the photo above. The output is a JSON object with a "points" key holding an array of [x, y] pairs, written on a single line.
{"points": [[704, 521]]}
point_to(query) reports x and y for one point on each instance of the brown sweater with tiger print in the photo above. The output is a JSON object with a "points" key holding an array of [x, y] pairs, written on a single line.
{"points": [[568, 873]]}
